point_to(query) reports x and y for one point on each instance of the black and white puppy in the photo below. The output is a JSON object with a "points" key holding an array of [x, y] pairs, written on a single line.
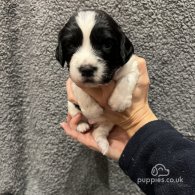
{"points": [[96, 51]]}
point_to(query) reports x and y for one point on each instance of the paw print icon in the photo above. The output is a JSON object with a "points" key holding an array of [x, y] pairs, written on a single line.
{"points": [[160, 170]]}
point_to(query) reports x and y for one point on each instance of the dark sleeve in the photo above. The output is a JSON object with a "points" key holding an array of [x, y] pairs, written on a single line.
{"points": [[160, 160]]}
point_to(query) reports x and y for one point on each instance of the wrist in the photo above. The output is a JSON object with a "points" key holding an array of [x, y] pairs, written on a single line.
{"points": [[138, 118], [115, 153]]}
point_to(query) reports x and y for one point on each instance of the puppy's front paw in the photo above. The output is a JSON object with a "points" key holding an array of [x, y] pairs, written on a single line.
{"points": [[119, 103], [83, 127], [103, 144]]}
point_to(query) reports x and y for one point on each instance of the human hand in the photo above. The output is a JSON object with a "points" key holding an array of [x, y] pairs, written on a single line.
{"points": [[117, 138], [130, 120], [133, 118]]}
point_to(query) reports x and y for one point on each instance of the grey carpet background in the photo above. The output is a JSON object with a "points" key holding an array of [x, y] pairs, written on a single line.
{"points": [[36, 158]]}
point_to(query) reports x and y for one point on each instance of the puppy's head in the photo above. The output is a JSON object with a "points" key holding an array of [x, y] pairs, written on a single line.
{"points": [[93, 46]]}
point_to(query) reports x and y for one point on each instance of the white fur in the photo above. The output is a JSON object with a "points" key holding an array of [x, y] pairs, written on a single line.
{"points": [[120, 100], [72, 110], [100, 135], [83, 126], [92, 111], [126, 79], [85, 54], [89, 107]]}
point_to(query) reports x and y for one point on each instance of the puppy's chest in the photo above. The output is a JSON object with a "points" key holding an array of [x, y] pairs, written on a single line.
{"points": [[120, 99]]}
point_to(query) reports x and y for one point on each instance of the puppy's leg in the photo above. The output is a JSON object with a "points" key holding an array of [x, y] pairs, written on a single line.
{"points": [[73, 109], [83, 126], [89, 107], [100, 135], [122, 95]]}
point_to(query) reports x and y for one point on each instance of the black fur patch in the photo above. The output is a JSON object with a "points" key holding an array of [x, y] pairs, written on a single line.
{"points": [[107, 39], [69, 39], [77, 106], [110, 43]]}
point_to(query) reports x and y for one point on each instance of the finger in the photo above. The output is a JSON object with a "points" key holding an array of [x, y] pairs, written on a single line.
{"points": [[69, 131], [69, 86], [75, 120], [68, 82], [85, 139], [68, 118], [69, 90], [88, 140], [143, 78]]}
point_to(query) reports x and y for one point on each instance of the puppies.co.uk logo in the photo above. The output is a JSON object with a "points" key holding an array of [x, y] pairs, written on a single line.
{"points": [[160, 174], [159, 170]]}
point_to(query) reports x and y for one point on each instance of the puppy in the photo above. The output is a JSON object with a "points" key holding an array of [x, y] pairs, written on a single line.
{"points": [[96, 51]]}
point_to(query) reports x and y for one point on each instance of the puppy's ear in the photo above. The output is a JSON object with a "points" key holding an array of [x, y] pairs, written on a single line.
{"points": [[127, 48], [59, 54]]}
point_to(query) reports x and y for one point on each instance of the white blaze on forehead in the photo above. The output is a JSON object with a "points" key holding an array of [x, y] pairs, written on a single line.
{"points": [[85, 54], [86, 22]]}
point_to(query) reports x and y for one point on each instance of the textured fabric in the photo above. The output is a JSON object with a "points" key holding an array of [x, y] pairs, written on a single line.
{"points": [[162, 155], [36, 158]]}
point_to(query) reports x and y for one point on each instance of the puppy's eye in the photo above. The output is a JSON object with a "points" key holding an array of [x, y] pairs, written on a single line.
{"points": [[107, 44]]}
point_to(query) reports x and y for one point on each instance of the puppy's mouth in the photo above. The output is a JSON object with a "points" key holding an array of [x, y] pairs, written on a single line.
{"points": [[88, 80], [105, 80], [94, 81]]}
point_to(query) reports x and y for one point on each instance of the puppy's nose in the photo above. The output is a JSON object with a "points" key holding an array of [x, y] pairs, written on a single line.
{"points": [[87, 70]]}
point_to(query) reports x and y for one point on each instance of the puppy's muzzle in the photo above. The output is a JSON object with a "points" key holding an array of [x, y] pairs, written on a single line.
{"points": [[87, 71]]}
